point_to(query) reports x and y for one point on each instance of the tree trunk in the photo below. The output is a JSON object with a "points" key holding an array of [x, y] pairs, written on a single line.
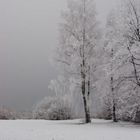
{"points": [[114, 113], [114, 118], [114, 104], [85, 93], [87, 112], [85, 99], [88, 95]]}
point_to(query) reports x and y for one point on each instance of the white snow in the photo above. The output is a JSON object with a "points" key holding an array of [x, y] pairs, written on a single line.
{"points": [[67, 130]]}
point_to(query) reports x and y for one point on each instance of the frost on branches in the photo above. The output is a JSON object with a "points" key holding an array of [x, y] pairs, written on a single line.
{"points": [[123, 37], [79, 36]]}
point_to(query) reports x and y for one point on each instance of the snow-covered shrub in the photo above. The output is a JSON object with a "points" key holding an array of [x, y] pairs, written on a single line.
{"points": [[126, 114], [137, 116], [7, 114], [59, 111], [106, 111], [53, 108], [130, 114], [40, 111], [129, 107]]}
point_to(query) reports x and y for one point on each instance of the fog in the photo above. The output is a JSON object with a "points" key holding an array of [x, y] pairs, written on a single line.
{"points": [[28, 36]]}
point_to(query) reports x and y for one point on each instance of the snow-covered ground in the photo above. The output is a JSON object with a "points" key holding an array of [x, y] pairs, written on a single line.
{"points": [[67, 130]]}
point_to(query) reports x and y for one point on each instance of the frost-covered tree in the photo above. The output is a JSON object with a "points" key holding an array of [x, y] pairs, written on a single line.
{"points": [[126, 48], [62, 86], [79, 35], [111, 47], [131, 33]]}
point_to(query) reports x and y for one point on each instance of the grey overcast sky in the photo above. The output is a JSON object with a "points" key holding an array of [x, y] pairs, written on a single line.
{"points": [[28, 34]]}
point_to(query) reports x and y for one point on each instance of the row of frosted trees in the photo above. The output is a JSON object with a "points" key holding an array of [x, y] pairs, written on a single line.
{"points": [[90, 56]]}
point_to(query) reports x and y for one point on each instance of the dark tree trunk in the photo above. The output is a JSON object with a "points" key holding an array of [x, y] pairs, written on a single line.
{"points": [[114, 118], [88, 96], [85, 93], [114, 104], [114, 113], [85, 98], [87, 112]]}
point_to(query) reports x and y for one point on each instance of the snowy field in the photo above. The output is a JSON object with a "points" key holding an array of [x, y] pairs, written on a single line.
{"points": [[67, 130]]}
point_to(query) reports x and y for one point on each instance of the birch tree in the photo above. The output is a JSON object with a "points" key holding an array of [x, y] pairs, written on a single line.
{"points": [[111, 48], [132, 34], [79, 35], [127, 40]]}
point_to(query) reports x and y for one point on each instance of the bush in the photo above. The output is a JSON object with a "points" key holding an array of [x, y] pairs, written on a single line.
{"points": [[137, 117], [59, 111], [6, 114], [131, 113], [106, 111], [126, 116], [53, 108]]}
